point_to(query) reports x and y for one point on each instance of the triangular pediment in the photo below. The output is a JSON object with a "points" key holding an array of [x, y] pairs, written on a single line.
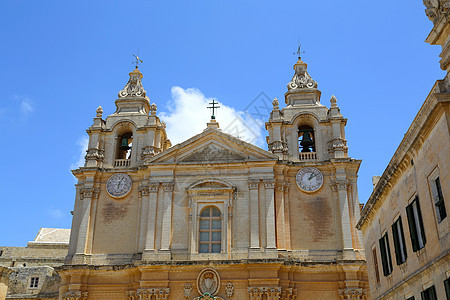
{"points": [[212, 146]]}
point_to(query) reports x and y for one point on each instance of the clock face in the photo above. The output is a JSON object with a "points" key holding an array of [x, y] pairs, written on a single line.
{"points": [[309, 179], [119, 185]]}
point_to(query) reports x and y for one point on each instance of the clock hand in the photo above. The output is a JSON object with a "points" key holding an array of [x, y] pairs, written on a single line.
{"points": [[119, 182]]}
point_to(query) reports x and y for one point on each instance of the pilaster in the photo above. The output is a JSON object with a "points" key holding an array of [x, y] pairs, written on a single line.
{"points": [[269, 185], [280, 217], [253, 185], [166, 228]]}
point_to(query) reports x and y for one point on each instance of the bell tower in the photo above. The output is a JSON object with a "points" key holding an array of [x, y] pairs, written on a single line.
{"points": [[310, 138], [129, 135], [118, 144]]}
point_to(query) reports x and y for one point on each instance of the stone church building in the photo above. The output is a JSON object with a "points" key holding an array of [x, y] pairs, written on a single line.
{"points": [[215, 217]]}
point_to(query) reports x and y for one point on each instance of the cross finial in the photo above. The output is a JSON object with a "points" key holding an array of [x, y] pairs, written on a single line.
{"points": [[213, 103], [137, 60], [299, 51]]}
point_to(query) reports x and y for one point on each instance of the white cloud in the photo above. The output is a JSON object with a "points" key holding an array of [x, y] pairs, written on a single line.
{"points": [[26, 106], [188, 115], [56, 213], [82, 144]]}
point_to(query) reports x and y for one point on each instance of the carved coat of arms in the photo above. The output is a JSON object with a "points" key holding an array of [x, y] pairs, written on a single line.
{"points": [[208, 281]]}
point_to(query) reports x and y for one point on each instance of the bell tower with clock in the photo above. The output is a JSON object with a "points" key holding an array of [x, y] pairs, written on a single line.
{"points": [[309, 139]]}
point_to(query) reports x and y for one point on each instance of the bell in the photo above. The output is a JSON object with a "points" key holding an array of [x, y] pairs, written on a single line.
{"points": [[124, 145], [306, 142]]}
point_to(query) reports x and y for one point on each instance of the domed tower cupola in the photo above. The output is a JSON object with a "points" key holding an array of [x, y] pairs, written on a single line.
{"points": [[302, 89], [133, 98]]}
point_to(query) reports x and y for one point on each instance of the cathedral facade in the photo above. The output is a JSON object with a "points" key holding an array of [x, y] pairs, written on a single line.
{"points": [[215, 217]]}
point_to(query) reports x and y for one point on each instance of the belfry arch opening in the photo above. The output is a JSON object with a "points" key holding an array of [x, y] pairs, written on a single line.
{"points": [[124, 145], [306, 139]]}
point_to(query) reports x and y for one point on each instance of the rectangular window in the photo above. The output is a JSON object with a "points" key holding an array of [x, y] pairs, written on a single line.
{"points": [[385, 255], [429, 294], [438, 199], [34, 282], [399, 241], [415, 223], [447, 287], [375, 264]]}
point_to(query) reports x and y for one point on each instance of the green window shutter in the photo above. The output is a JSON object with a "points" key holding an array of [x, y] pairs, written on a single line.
{"points": [[412, 227], [395, 236]]}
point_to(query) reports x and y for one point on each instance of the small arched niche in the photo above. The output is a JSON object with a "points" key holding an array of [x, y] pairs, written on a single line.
{"points": [[124, 145], [306, 139]]}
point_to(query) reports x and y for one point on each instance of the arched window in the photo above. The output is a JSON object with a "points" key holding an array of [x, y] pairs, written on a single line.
{"points": [[306, 140], [124, 143], [210, 230]]}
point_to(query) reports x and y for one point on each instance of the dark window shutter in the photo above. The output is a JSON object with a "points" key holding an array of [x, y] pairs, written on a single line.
{"points": [[412, 227], [388, 254], [398, 256], [441, 203], [433, 293], [402, 237], [447, 288], [419, 214], [383, 257]]}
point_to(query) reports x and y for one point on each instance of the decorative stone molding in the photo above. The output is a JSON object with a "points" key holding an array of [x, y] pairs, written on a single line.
{"points": [[75, 295], [94, 153], [340, 184], [141, 294], [153, 108], [337, 145], [269, 183], [149, 151], [134, 87], [143, 191], [288, 294], [253, 184], [278, 146], [301, 78], [229, 289], [272, 293], [187, 290], [153, 187], [353, 294], [436, 8], [168, 186], [279, 186], [208, 282], [207, 296], [89, 193]]}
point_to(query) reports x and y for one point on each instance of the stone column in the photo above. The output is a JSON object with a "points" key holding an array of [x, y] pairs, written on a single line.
{"points": [[253, 185], [143, 215], [88, 195], [151, 217], [269, 185], [166, 229], [280, 218]]}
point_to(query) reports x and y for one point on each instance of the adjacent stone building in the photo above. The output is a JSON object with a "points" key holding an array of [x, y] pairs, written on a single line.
{"points": [[405, 221], [215, 217], [28, 272]]}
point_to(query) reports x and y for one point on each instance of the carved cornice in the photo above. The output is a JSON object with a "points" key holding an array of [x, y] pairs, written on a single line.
{"points": [[75, 295], [269, 183], [149, 151], [253, 184], [337, 145], [412, 142], [168, 186], [95, 153]]}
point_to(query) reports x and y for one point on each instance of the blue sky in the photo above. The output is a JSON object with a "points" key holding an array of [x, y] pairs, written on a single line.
{"points": [[61, 60]]}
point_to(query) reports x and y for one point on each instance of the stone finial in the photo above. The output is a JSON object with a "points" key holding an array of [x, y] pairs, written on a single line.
{"points": [[163, 124], [333, 101], [301, 78], [134, 87], [275, 103], [99, 112], [153, 108]]}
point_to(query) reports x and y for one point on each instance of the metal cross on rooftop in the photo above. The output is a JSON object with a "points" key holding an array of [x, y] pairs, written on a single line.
{"points": [[138, 60], [213, 103]]}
